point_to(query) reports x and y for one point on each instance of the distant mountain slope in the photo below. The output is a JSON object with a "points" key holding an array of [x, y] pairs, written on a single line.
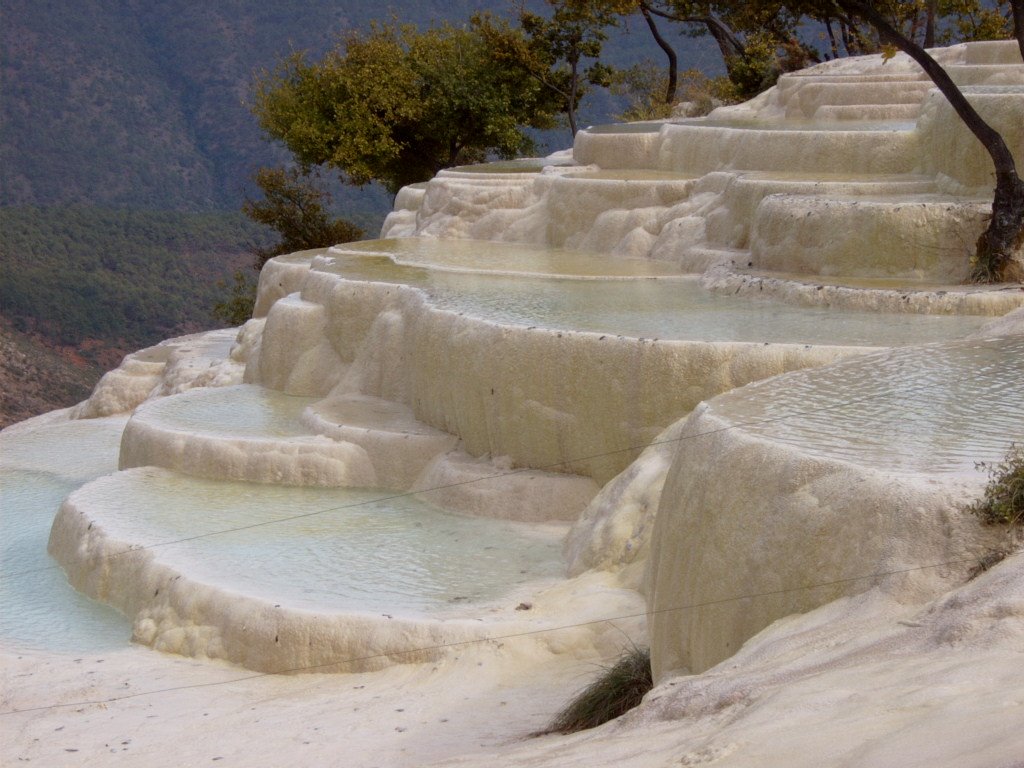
{"points": [[35, 378], [142, 104], [117, 279], [87, 112]]}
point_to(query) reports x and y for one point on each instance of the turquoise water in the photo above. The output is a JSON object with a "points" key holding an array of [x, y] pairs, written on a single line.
{"points": [[38, 608]]}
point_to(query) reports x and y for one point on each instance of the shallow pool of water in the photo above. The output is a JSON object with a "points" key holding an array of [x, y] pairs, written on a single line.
{"points": [[396, 555], [650, 127], [939, 408], [38, 608], [243, 410], [499, 258], [631, 174], [802, 125], [661, 308]]}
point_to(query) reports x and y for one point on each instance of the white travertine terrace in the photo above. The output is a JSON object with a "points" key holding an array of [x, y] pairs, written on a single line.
{"points": [[837, 163], [726, 359]]}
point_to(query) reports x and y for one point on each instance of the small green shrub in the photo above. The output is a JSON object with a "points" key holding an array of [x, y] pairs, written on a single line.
{"points": [[618, 689], [1003, 500]]}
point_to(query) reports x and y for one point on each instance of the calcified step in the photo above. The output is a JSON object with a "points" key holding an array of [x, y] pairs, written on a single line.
{"points": [[515, 379], [857, 468], [886, 165], [359, 580]]}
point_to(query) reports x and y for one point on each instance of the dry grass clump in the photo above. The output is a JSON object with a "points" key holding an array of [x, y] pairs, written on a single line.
{"points": [[619, 688]]}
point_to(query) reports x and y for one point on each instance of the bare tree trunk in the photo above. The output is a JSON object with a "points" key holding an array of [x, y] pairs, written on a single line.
{"points": [[728, 44], [1002, 240], [670, 54], [931, 10], [832, 38], [570, 109]]}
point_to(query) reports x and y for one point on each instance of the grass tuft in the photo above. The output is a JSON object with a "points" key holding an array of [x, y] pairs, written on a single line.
{"points": [[1003, 500], [619, 688]]}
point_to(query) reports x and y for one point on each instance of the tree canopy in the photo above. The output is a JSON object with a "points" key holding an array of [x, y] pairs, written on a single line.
{"points": [[561, 52], [396, 105], [293, 206]]}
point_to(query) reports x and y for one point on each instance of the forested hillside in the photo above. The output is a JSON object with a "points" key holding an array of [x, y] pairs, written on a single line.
{"points": [[115, 277]]}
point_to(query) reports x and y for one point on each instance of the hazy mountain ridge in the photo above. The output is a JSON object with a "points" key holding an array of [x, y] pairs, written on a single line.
{"points": [[135, 104]]}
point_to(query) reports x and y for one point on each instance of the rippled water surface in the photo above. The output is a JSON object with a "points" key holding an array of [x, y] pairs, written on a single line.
{"points": [[397, 555], [939, 408]]}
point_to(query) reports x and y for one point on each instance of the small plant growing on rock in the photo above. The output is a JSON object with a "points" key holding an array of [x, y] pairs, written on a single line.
{"points": [[619, 688], [1003, 499]]}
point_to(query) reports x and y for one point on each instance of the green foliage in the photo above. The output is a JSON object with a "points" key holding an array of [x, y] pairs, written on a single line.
{"points": [[123, 278], [397, 105], [968, 20], [1003, 500], [562, 51], [236, 307], [643, 86], [757, 41], [619, 688], [293, 206]]}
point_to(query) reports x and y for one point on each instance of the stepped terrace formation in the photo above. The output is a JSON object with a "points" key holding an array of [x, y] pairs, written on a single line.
{"points": [[711, 384]]}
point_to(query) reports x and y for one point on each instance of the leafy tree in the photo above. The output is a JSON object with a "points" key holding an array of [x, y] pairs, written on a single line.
{"points": [[236, 307], [554, 50], [397, 105], [293, 206], [757, 40]]}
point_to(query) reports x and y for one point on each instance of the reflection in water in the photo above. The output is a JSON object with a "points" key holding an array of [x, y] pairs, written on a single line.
{"points": [[939, 408]]}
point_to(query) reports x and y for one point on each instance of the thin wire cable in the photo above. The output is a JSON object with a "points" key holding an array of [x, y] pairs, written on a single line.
{"points": [[488, 639], [496, 476]]}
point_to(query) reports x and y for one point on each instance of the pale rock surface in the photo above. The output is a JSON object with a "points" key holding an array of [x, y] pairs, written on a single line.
{"points": [[614, 532], [493, 488], [311, 460], [863, 682], [173, 611], [535, 403], [211, 359]]}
